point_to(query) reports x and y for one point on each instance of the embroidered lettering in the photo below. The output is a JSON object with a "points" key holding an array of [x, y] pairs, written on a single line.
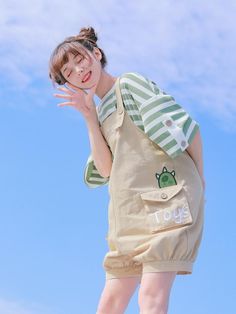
{"points": [[157, 219], [167, 215], [177, 215]]}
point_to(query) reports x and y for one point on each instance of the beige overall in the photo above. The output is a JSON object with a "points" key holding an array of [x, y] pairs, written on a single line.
{"points": [[152, 227]]}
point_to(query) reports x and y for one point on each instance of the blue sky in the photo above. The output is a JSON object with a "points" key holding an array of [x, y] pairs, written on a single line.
{"points": [[52, 226]]}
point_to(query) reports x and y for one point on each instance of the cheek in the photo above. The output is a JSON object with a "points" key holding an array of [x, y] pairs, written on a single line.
{"points": [[74, 81], [97, 68]]}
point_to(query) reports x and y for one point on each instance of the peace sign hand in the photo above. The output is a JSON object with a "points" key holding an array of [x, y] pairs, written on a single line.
{"points": [[79, 99]]}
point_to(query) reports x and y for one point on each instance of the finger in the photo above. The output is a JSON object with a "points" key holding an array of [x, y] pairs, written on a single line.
{"points": [[66, 90], [70, 85], [74, 87], [62, 96], [66, 104]]}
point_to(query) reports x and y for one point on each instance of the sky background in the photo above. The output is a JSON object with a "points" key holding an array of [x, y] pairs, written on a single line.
{"points": [[52, 226]]}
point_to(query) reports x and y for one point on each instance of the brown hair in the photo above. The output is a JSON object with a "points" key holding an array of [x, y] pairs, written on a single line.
{"points": [[86, 40]]}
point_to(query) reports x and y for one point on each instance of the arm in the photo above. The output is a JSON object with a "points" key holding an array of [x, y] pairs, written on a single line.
{"points": [[98, 169], [100, 151], [196, 153]]}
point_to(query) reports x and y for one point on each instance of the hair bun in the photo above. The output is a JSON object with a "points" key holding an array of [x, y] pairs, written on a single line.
{"points": [[88, 33]]}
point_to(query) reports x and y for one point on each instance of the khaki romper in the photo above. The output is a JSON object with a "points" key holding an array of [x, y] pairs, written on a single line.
{"points": [[156, 206]]}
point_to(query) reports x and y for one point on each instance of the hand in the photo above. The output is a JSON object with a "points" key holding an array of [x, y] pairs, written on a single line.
{"points": [[79, 99]]}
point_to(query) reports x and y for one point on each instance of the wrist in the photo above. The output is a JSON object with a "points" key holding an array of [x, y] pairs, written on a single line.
{"points": [[92, 124]]}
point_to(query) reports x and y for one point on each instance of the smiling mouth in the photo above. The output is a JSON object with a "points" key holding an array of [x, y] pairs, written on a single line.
{"points": [[87, 77]]}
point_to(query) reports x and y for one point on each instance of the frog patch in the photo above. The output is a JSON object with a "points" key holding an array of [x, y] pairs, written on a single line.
{"points": [[166, 178]]}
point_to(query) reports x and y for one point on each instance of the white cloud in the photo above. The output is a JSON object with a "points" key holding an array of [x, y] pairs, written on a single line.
{"points": [[186, 47]]}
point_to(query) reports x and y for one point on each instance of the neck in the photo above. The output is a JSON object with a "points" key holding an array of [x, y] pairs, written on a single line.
{"points": [[106, 82]]}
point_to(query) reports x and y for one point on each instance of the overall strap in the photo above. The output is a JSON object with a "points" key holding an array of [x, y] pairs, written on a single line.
{"points": [[120, 107]]}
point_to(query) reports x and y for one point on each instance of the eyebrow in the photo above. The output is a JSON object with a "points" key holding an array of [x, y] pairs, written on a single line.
{"points": [[73, 59]]}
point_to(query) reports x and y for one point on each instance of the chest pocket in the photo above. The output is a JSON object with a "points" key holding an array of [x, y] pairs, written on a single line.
{"points": [[166, 208]]}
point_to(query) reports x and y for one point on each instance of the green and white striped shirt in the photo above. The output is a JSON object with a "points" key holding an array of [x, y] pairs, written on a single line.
{"points": [[155, 112]]}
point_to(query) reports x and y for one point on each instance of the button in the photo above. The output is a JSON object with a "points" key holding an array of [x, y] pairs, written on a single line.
{"points": [[164, 195], [168, 123], [183, 143]]}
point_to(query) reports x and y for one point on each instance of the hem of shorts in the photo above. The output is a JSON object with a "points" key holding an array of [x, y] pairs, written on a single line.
{"points": [[124, 272], [180, 267]]}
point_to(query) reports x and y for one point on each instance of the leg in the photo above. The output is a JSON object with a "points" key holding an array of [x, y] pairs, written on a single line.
{"points": [[154, 292], [116, 295]]}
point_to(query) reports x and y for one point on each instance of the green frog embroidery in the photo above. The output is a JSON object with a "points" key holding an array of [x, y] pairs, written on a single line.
{"points": [[166, 178]]}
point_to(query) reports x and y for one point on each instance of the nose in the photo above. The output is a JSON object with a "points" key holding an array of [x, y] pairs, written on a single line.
{"points": [[78, 70]]}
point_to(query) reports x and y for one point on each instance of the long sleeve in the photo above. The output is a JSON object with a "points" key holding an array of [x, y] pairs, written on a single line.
{"points": [[92, 178], [165, 122]]}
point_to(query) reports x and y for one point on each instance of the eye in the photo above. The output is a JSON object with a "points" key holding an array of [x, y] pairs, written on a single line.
{"points": [[79, 59]]}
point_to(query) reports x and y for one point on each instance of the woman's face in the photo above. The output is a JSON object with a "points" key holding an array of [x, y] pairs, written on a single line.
{"points": [[82, 71]]}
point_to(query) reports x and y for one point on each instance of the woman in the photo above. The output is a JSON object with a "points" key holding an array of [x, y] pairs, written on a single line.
{"points": [[149, 151]]}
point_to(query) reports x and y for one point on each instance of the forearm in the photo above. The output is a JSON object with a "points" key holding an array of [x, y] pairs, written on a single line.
{"points": [[101, 153], [195, 150]]}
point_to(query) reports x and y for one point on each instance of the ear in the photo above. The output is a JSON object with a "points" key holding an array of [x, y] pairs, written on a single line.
{"points": [[97, 53]]}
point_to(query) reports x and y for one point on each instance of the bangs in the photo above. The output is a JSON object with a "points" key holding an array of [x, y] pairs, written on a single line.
{"points": [[60, 56]]}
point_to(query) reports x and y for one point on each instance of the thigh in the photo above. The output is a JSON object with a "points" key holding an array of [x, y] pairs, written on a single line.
{"points": [[119, 289], [157, 283]]}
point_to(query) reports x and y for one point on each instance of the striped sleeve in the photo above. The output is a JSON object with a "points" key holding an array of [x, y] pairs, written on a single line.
{"points": [[92, 178], [165, 122]]}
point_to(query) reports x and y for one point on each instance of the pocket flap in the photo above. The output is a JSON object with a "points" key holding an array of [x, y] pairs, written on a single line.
{"points": [[162, 194]]}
